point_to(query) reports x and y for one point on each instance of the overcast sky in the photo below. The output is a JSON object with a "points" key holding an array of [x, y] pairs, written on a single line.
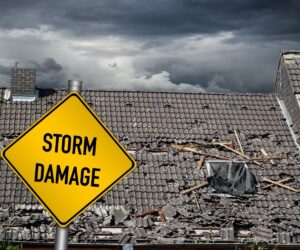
{"points": [[171, 45]]}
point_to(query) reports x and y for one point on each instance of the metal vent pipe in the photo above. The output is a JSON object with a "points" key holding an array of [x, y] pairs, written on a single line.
{"points": [[74, 86]]}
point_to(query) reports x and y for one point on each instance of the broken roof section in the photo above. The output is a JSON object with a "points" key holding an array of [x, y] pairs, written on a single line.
{"points": [[149, 124]]}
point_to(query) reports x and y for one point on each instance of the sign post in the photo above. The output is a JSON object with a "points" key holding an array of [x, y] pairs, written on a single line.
{"points": [[68, 157], [61, 239]]}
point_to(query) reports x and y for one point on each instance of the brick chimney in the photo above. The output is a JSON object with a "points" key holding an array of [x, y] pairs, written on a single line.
{"points": [[23, 84]]}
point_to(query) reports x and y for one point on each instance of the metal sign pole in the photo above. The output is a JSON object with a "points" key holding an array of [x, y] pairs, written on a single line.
{"points": [[61, 239]]}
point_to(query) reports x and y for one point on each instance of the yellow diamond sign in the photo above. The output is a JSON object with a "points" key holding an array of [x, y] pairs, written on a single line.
{"points": [[68, 159]]}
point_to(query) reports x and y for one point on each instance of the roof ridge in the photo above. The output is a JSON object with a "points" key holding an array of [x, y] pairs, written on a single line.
{"points": [[171, 92], [157, 91], [291, 51]]}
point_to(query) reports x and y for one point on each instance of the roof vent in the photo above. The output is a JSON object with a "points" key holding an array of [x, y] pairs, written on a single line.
{"points": [[74, 86], [7, 94], [23, 84]]}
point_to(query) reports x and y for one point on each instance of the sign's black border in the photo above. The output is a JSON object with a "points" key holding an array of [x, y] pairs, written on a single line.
{"points": [[72, 94]]}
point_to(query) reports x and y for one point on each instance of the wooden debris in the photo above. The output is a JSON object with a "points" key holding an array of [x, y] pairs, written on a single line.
{"points": [[153, 211], [194, 188], [196, 199], [237, 152], [221, 157], [281, 185], [280, 181], [267, 158], [239, 142], [198, 151], [264, 152], [200, 162], [227, 143]]}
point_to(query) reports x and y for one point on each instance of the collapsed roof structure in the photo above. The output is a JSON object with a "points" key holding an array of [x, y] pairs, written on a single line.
{"points": [[176, 139]]}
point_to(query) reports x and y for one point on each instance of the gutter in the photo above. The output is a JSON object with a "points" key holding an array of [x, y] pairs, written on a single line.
{"points": [[189, 246]]}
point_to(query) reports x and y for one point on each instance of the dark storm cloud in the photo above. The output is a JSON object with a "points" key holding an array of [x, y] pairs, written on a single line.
{"points": [[162, 18], [258, 31], [4, 70], [50, 74], [270, 19], [48, 65]]}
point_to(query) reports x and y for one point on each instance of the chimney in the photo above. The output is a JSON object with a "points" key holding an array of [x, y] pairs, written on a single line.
{"points": [[23, 84], [74, 86]]}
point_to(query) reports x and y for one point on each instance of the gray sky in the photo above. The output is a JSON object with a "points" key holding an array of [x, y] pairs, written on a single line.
{"points": [[172, 45]]}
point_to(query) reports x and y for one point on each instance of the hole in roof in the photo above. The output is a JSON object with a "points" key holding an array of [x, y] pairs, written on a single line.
{"points": [[284, 176], [266, 136], [244, 108], [252, 136], [50, 103], [170, 181], [230, 131], [230, 177], [128, 104], [205, 107], [90, 104], [198, 122], [273, 108], [167, 105]]}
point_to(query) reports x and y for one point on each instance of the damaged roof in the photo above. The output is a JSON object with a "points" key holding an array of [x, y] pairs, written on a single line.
{"points": [[171, 136]]}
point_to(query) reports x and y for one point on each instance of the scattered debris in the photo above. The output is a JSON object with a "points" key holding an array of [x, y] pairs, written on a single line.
{"points": [[154, 211], [200, 162], [264, 152], [164, 231], [281, 185], [237, 152], [107, 221], [140, 232], [120, 215], [263, 233], [196, 199], [238, 141], [280, 181], [124, 239], [169, 211], [194, 188]]}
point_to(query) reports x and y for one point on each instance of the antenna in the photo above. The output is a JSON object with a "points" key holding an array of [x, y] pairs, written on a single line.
{"points": [[16, 63]]}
